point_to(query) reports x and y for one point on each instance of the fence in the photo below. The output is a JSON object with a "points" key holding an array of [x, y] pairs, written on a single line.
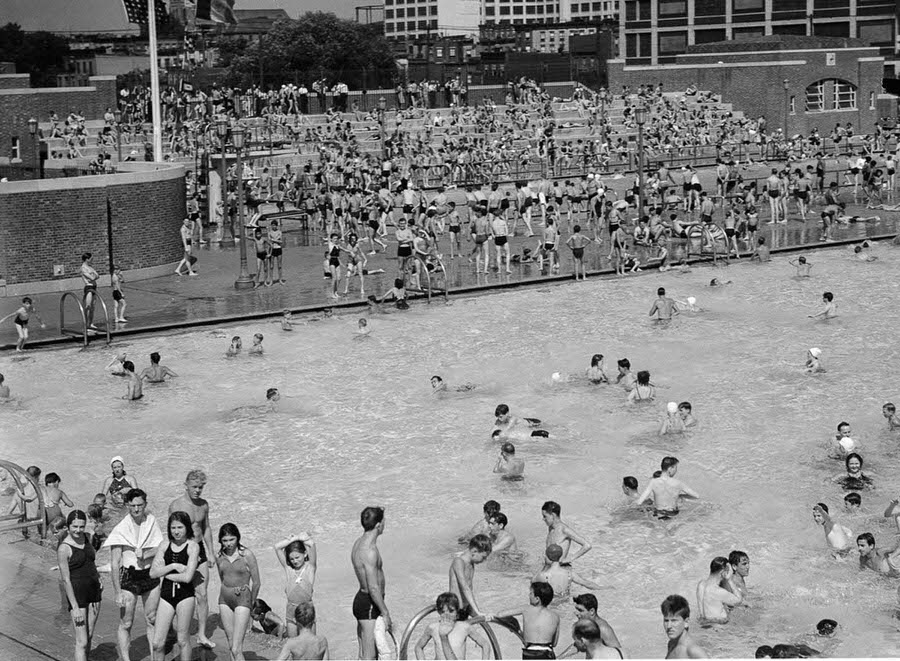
{"points": [[21, 173]]}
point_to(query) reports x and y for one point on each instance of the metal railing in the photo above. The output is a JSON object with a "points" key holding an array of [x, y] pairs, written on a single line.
{"points": [[85, 331], [16, 521]]}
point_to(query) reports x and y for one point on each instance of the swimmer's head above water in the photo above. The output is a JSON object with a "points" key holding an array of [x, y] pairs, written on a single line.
{"points": [[596, 359], [508, 449], [502, 413], [629, 485], [273, 395], [826, 627]]}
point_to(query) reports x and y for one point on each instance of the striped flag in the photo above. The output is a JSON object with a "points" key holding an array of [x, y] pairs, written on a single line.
{"points": [[217, 11], [136, 10]]}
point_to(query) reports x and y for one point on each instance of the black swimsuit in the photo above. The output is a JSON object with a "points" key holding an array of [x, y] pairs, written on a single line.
{"points": [[334, 257], [171, 591]]}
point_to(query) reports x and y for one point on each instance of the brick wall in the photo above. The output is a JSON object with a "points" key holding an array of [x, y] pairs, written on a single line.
{"points": [[50, 222], [754, 82], [14, 80]]}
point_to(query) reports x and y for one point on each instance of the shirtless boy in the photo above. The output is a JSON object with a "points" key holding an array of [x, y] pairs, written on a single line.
{"points": [[462, 574], [540, 625], [839, 537], [508, 464], [676, 616], [22, 316], [712, 599], [562, 535], [368, 604], [560, 578], [307, 644], [135, 385], [198, 509], [830, 309], [666, 491], [481, 527], [502, 541], [740, 569], [889, 411], [882, 562], [451, 632], [663, 307], [587, 638], [156, 373]]}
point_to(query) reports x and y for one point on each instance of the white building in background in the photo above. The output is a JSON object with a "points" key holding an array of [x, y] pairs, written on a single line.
{"points": [[406, 20]]}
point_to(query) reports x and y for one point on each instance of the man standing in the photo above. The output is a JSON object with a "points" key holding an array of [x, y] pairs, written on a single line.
{"points": [[89, 278], [561, 534], [666, 490], [133, 544], [462, 574], [368, 604], [198, 509]]}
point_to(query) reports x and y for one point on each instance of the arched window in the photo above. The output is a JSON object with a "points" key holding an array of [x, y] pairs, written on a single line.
{"points": [[830, 94]]}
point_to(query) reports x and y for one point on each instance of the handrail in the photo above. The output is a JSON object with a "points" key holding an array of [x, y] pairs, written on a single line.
{"points": [[18, 473], [62, 318], [84, 332], [402, 652]]}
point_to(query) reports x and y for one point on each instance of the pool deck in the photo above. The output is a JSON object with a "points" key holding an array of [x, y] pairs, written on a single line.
{"points": [[35, 624], [172, 302]]}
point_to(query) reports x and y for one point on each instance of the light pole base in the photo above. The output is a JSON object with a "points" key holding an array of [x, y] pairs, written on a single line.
{"points": [[244, 282]]}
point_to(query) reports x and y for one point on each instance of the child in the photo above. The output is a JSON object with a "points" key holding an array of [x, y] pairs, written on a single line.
{"points": [[362, 329], [257, 347], [263, 257], [356, 265], [889, 411], [22, 315], [115, 365], [830, 309], [761, 252], [235, 347], [813, 365], [118, 295], [863, 255], [397, 292], [803, 267], [685, 411], [577, 243], [852, 502], [450, 631], [95, 518], [455, 227], [287, 321], [307, 644], [262, 614], [841, 444], [53, 495], [672, 423], [630, 263]]}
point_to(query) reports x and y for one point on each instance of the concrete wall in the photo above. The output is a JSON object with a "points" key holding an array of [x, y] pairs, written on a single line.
{"points": [[754, 82], [50, 222]]}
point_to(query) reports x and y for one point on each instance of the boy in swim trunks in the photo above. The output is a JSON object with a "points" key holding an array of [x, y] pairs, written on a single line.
{"points": [[22, 315], [577, 243], [307, 644], [135, 388], [666, 490], [889, 411], [830, 309], [540, 625], [462, 574], [508, 464], [450, 634], [118, 294], [882, 562]]}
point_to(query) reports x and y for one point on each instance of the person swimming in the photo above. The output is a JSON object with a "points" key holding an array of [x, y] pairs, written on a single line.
{"points": [[595, 372], [854, 479], [438, 385], [508, 426]]}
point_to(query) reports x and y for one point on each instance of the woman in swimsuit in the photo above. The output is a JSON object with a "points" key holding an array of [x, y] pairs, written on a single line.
{"points": [[643, 390], [176, 563], [297, 556], [187, 233], [854, 479], [357, 264], [116, 486], [80, 581], [334, 263], [239, 574]]}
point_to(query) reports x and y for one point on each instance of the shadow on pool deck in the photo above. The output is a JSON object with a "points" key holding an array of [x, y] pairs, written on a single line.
{"points": [[35, 624]]}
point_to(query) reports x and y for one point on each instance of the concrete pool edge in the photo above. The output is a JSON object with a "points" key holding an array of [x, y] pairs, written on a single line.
{"points": [[608, 274]]}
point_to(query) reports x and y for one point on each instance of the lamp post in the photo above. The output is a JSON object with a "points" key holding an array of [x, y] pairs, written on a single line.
{"points": [[118, 115], [32, 129], [787, 86], [222, 132], [639, 119], [244, 280]]}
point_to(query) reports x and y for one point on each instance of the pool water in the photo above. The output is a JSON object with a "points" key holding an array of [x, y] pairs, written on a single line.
{"points": [[358, 426]]}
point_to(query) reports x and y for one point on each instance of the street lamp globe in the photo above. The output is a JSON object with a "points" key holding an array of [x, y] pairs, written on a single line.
{"points": [[32, 126], [639, 115], [222, 127], [237, 137]]}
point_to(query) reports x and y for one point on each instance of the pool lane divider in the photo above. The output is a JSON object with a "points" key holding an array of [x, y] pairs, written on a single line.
{"points": [[356, 305]]}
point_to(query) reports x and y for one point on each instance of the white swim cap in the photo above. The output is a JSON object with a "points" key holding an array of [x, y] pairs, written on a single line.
{"points": [[672, 407], [815, 352], [115, 459], [556, 376], [691, 300]]}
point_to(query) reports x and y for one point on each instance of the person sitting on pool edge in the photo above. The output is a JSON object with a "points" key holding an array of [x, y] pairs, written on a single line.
{"points": [[508, 464], [506, 425]]}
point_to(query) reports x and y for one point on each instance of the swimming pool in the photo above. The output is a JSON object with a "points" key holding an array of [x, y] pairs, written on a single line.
{"points": [[360, 427]]}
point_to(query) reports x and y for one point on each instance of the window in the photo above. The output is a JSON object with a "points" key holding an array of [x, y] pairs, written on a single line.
{"points": [[709, 8], [844, 96], [790, 28], [815, 97], [401, 12], [389, 13], [432, 11], [744, 34], [517, 10], [504, 11], [530, 10], [793, 105], [585, 7], [451, 52], [749, 5], [438, 52], [669, 8], [871, 100], [877, 32], [636, 10], [832, 29], [388, 27], [489, 11], [410, 25], [15, 151], [637, 44], [672, 43], [708, 36]]}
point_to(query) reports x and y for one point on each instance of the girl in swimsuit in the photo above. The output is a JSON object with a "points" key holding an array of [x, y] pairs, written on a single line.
{"points": [[643, 390], [595, 372], [80, 580], [334, 263], [239, 574], [297, 556], [176, 563]]}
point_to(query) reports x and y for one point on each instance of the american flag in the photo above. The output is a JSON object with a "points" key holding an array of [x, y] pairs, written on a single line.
{"points": [[137, 11]]}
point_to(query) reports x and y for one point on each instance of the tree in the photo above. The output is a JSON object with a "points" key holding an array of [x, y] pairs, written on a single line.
{"points": [[41, 54], [317, 45]]}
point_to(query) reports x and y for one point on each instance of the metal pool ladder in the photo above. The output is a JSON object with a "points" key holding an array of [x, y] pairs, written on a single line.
{"points": [[403, 651], [84, 333], [20, 520]]}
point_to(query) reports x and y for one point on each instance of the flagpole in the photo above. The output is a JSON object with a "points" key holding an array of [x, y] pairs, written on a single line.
{"points": [[154, 83]]}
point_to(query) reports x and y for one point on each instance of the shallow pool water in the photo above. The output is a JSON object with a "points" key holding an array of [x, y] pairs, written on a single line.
{"points": [[359, 426]]}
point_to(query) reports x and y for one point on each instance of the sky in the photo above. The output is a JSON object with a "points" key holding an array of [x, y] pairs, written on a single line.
{"points": [[109, 15]]}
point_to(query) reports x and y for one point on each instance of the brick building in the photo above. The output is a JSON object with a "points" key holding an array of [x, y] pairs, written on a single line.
{"points": [[795, 82], [657, 31]]}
